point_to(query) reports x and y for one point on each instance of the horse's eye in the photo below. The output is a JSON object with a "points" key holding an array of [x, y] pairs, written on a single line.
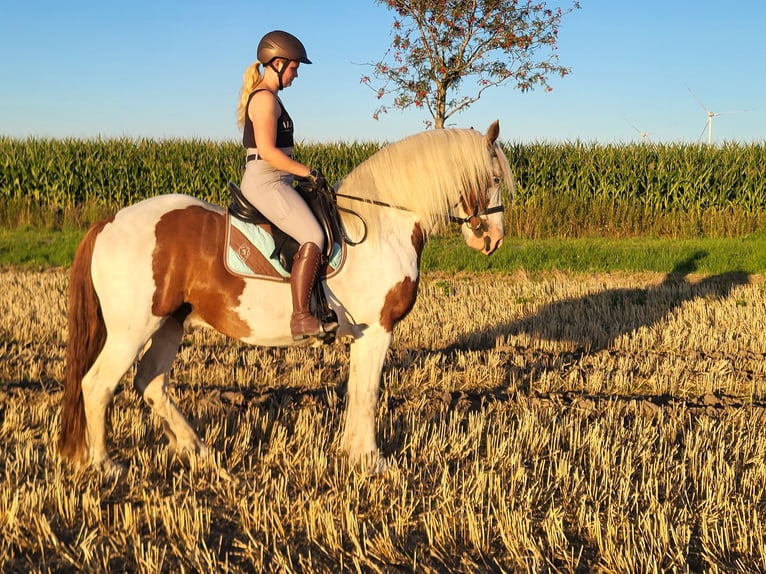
{"points": [[497, 180]]}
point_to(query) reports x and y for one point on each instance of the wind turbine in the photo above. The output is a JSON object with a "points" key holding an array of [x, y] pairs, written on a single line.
{"points": [[710, 116], [644, 135]]}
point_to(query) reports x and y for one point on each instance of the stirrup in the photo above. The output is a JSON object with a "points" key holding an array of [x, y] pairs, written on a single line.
{"points": [[329, 327], [323, 334]]}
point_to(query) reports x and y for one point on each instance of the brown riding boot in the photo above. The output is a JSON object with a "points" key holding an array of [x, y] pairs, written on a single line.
{"points": [[305, 268]]}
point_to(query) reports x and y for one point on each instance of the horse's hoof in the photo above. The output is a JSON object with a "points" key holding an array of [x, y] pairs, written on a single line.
{"points": [[371, 463], [375, 467], [110, 470], [379, 466], [203, 451], [192, 449]]}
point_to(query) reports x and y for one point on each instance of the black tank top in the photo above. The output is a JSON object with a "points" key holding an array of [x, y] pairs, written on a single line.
{"points": [[284, 127]]}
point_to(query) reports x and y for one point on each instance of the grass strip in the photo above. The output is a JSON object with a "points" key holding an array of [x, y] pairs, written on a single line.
{"points": [[702, 255], [32, 248]]}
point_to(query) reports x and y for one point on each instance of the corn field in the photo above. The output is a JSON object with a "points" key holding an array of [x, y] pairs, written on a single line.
{"points": [[555, 423], [564, 190]]}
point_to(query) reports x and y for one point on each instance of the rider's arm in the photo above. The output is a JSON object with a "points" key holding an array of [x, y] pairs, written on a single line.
{"points": [[265, 114]]}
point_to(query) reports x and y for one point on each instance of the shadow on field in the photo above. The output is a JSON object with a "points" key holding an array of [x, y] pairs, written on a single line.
{"points": [[591, 323]]}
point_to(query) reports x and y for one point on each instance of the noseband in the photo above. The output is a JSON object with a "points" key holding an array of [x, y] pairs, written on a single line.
{"points": [[473, 221]]}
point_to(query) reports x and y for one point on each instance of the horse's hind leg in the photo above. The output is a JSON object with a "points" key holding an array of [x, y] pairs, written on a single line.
{"points": [[98, 386], [151, 382]]}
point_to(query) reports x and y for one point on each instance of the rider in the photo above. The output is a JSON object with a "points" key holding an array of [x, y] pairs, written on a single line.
{"points": [[270, 168]]}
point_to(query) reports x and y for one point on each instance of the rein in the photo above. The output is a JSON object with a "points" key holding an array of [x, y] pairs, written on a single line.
{"points": [[459, 220], [372, 201]]}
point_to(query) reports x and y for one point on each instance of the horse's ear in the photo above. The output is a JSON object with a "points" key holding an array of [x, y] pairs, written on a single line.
{"points": [[492, 133]]}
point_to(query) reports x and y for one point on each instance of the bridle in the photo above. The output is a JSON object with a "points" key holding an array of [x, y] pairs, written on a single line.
{"points": [[473, 221]]}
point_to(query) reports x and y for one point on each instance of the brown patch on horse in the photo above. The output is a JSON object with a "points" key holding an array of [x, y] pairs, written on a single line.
{"points": [[418, 239], [87, 335], [188, 268], [399, 302], [401, 297]]}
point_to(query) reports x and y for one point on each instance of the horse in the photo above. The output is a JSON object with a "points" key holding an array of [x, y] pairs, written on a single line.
{"points": [[142, 277]]}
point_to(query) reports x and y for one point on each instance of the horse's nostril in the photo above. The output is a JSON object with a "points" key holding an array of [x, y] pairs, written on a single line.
{"points": [[487, 243]]}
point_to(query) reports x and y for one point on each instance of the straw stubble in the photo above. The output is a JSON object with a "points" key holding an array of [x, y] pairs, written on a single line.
{"points": [[548, 423]]}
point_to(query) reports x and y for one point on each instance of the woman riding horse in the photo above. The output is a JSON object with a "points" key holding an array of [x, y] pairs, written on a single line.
{"points": [[270, 169], [141, 277]]}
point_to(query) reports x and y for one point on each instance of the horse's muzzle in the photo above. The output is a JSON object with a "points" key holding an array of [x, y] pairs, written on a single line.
{"points": [[487, 243]]}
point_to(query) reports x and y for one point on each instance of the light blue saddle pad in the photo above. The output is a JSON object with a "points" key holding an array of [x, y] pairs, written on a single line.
{"points": [[259, 239]]}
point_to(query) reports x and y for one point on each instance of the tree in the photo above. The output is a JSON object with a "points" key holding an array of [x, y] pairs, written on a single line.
{"points": [[440, 45]]}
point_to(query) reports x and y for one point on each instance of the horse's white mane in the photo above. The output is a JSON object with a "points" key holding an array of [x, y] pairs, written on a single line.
{"points": [[424, 173]]}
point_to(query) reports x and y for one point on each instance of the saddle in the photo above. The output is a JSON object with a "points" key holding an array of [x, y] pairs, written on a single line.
{"points": [[320, 197]]}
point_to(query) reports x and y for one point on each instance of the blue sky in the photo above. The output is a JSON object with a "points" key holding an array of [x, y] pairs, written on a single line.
{"points": [[170, 69]]}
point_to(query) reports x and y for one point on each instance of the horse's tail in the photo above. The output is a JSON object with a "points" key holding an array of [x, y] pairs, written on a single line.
{"points": [[87, 334]]}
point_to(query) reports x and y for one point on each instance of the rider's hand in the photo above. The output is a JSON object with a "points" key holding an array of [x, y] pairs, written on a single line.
{"points": [[316, 178]]}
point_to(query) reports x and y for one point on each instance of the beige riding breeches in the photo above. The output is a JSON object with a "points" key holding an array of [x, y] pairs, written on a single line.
{"points": [[272, 193]]}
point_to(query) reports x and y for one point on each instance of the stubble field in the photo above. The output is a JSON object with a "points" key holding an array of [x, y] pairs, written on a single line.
{"points": [[553, 423]]}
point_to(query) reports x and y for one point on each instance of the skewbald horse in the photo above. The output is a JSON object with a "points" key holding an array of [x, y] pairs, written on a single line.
{"points": [[157, 267]]}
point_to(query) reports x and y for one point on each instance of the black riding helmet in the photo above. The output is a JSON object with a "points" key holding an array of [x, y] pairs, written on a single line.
{"points": [[279, 44]]}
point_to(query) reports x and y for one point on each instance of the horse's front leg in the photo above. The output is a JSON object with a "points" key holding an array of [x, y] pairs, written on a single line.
{"points": [[368, 352]]}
